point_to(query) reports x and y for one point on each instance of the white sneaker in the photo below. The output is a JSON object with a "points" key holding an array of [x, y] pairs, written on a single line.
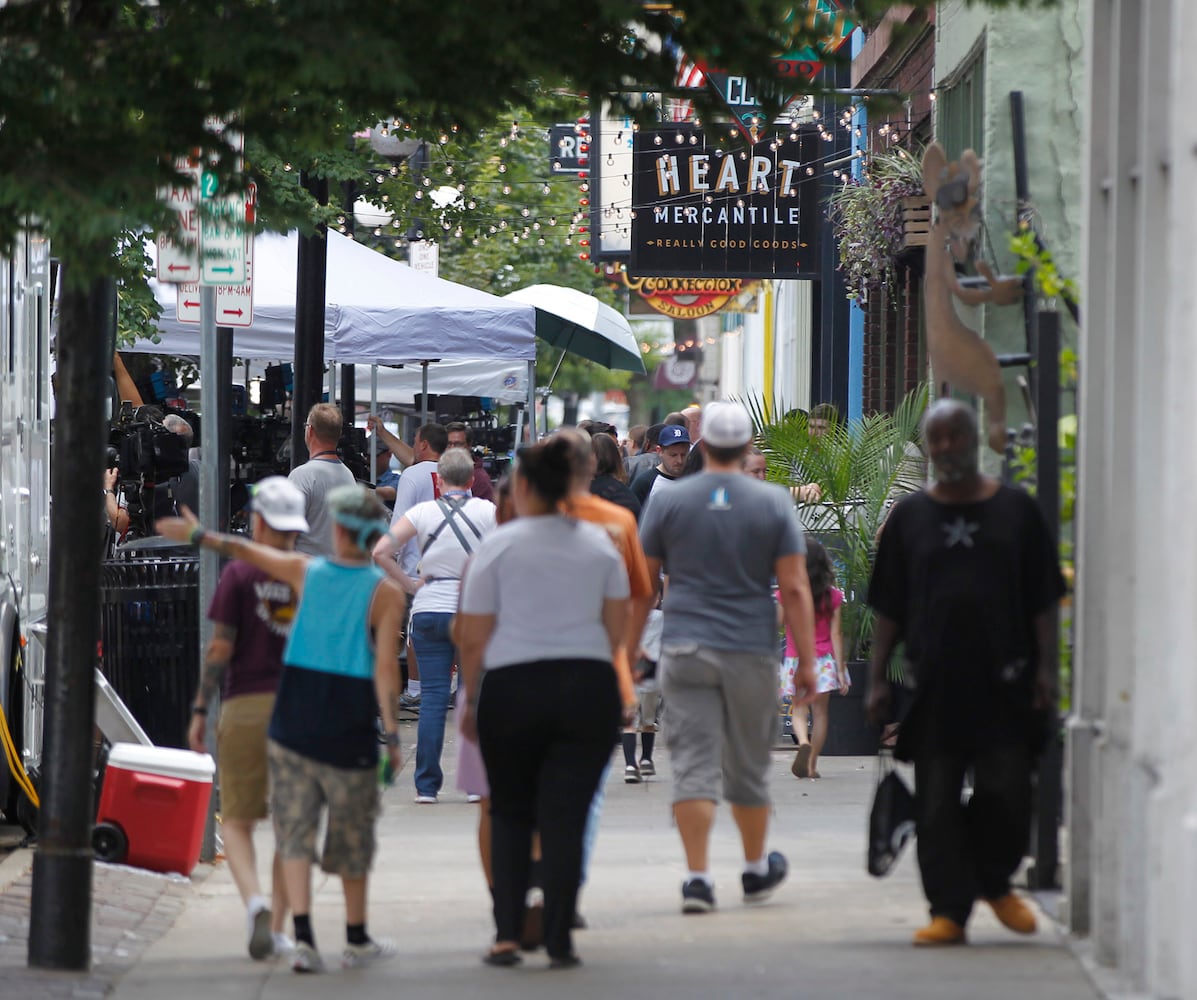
{"points": [[260, 945], [372, 951], [305, 958], [473, 799], [283, 945], [426, 800]]}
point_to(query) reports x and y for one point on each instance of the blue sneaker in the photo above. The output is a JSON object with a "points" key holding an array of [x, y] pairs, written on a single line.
{"points": [[758, 888], [697, 896]]}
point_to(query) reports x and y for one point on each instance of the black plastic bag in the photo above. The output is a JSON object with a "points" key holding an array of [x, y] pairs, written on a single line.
{"points": [[891, 820]]}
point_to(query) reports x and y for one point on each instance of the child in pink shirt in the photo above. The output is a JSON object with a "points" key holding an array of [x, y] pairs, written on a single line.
{"points": [[830, 672]]}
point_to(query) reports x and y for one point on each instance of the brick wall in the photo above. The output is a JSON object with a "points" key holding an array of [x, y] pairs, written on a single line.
{"points": [[894, 354], [900, 55], [910, 69]]}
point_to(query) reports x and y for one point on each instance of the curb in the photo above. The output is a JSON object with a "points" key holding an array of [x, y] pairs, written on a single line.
{"points": [[15, 865]]}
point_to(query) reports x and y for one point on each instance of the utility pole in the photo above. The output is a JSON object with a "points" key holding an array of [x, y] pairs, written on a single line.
{"points": [[348, 372], [309, 324], [60, 911]]}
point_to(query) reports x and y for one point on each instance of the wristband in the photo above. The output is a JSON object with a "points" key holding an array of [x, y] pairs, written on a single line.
{"points": [[199, 709], [197, 536]]}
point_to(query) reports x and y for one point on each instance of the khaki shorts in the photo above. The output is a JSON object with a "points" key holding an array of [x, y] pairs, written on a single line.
{"points": [[299, 790], [720, 722], [241, 753]]}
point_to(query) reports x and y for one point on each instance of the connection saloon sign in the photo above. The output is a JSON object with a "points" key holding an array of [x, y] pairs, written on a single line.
{"points": [[736, 212]]}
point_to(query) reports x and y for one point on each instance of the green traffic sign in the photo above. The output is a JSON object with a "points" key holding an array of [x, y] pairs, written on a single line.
{"points": [[208, 184]]}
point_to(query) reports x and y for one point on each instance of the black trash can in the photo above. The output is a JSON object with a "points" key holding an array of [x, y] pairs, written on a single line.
{"points": [[849, 733], [149, 634]]}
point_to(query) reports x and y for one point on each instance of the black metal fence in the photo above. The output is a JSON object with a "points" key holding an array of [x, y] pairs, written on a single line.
{"points": [[149, 636]]}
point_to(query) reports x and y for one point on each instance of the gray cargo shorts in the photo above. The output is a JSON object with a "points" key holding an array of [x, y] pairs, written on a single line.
{"points": [[720, 718]]}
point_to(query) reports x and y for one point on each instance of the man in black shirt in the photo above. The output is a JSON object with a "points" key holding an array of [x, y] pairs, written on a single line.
{"points": [[675, 447], [967, 576]]}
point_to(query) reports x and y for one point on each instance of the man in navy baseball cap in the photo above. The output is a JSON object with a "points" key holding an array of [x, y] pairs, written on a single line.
{"points": [[674, 441]]}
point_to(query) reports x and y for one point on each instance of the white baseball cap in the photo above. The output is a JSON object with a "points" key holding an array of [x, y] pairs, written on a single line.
{"points": [[280, 503], [726, 425]]}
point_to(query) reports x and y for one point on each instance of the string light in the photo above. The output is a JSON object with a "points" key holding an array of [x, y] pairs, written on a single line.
{"points": [[481, 185]]}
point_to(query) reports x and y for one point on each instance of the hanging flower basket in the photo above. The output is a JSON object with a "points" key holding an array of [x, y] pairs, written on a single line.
{"points": [[870, 219]]}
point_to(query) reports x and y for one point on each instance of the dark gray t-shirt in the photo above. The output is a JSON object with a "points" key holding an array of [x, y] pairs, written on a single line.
{"points": [[718, 535]]}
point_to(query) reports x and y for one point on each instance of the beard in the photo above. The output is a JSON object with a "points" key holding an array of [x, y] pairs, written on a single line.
{"points": [[954, 470]]}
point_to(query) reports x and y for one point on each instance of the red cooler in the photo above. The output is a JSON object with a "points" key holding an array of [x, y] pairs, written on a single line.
{"points": [[153, 807]]}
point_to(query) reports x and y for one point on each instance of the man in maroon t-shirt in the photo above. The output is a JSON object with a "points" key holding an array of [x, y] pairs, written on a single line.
{"points": [[251, 614], [459, 437]]}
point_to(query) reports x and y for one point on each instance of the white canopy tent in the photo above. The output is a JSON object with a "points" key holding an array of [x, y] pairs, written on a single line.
{"points": [[502, 382], [378, 311]]}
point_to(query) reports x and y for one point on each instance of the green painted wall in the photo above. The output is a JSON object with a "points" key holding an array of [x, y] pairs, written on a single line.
{"points": [[1036, 51]]}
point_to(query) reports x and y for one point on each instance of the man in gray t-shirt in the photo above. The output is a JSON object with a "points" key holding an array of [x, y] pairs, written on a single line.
{"points": [[722, 538], [321, 473]]}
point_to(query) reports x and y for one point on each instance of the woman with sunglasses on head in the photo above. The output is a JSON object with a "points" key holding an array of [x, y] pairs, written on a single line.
{"points": [[543, 605]]}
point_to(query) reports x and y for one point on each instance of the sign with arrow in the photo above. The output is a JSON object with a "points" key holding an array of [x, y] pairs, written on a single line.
{"points": [[234, 302], [225, 221], [225, 233], [178, 256]]}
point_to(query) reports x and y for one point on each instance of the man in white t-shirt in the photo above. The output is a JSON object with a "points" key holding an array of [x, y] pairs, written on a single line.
{"points": [[448, 530], [418, 484]]}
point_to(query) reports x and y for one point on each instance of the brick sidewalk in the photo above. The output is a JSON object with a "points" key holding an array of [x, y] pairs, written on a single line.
{"points": [[131, 909]]}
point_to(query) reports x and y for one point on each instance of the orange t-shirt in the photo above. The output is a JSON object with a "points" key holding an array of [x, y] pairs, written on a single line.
{"points": [[621, 526]]}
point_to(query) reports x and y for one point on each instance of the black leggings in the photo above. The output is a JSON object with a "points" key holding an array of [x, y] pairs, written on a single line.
{"points": [[546, 730]]}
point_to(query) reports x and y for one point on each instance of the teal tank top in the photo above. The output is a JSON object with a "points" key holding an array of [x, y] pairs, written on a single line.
{"points": [[330, 633]]}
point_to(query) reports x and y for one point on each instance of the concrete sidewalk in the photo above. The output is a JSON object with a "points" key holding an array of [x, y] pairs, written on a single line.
{"points": [[830, 931]]}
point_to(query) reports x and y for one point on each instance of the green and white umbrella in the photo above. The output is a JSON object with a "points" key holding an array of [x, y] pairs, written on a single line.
{"points": [[582, 325]]}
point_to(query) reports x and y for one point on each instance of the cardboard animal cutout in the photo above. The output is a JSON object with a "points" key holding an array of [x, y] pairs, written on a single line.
{"points": [[958, 355]]}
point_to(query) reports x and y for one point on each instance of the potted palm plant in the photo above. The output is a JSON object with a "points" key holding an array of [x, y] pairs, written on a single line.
{"points": [[861, 468]]}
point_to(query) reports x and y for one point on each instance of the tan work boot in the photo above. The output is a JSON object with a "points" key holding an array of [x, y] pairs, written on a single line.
{"points": [[1014, 913], [941, 931]]}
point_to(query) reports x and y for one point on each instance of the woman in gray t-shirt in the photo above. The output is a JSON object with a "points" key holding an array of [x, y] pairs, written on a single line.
{"points": [[543, 604]]}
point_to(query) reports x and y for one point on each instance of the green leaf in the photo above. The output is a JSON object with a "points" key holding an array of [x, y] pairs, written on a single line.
{"points": [[862, 467]]}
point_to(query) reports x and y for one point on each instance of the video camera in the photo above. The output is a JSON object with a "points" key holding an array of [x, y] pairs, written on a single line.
{"points": [[147, 455], [495, 440], [260, 446], [146, 451]]}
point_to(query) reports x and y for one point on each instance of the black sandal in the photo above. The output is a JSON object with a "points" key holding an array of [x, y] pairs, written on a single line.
{"points": [[504, 959], [565, 962]]}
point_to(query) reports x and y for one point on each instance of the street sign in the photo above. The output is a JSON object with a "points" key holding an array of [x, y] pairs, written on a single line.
{"points": [[569, 149], [178, 259], [226, 221], [234, 302], [224, 226], [424, 256]]}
